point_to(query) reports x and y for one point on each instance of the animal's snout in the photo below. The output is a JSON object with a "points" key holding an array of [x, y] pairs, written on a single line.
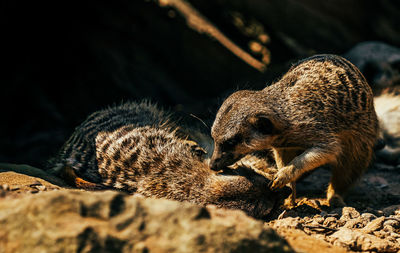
{"points": [[220, 161], [215, 164]]}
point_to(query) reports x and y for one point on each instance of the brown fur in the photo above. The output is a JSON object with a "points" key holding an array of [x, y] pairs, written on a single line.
{"points": [[320, 112], [130, 148]]}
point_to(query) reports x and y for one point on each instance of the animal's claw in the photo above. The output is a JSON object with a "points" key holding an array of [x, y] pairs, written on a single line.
{"points": [[281, 178]]}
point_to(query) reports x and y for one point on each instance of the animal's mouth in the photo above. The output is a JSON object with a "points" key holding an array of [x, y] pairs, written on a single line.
{"points": [[221, 163], [228, 171]]}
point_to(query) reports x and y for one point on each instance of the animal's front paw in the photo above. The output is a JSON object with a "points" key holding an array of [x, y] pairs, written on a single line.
{"points": [[282, 177]]}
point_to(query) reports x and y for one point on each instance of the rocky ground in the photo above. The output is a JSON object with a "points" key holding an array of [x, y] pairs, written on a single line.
{"points": [[37, 210], [369, 223], [38, 216]]}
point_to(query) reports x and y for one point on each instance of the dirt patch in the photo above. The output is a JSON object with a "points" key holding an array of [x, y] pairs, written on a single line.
{"points": [[369, 222]]}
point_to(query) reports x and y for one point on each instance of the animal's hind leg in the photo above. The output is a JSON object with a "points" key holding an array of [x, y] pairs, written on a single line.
{"points": [[343, 178], [350, 165]]}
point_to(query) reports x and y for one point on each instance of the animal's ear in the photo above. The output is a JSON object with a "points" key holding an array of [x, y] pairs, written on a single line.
{"points": [[262, 124]]}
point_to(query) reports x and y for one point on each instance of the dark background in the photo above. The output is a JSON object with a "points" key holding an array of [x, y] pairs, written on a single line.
{"points": [[63, 59]]}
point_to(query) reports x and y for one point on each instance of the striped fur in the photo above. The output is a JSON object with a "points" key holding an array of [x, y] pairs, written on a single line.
{"points": [[79, 151], [136, 148], [320, 112]]}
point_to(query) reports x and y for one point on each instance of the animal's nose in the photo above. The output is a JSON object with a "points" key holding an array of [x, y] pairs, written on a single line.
{"points": [[215, 163]]}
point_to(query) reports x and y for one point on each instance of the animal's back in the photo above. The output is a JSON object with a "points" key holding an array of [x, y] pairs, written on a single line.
{"points": [[326, 93], [329, 103], [79, 151]]}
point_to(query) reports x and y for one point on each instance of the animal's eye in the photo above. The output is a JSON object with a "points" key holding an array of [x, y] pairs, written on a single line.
{"points": [[230, 143], [198, 151], [263, 125]]}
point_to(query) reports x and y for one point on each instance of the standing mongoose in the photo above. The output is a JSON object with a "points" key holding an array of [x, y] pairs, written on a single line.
{"points": [[320, 112], [137, 148]]}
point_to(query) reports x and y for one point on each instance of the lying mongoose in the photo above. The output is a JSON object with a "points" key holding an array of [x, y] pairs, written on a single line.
{"points": [[387, 106], [320, 112], [137, 149]]}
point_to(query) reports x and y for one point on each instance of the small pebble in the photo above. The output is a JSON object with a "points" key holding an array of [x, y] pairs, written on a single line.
{"points": [[340, 223], [392, 222], [349, 213], [395, 235], [381, 234], [319, 219], [389, 229], [288, 223], [354, 223], [307, 219], [330, 222], [374, 225], [390, 238], [368, 216]]}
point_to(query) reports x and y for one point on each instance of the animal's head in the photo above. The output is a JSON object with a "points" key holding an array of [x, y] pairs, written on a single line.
{"points": [[246, 190], [244, 124]]}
